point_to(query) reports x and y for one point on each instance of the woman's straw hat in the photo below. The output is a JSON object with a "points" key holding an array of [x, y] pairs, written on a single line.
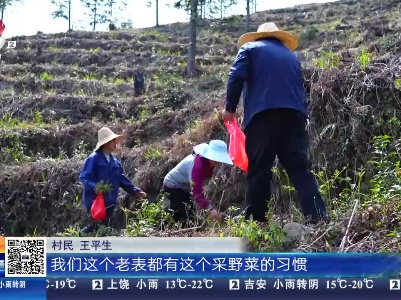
{"points": [[267, 30], [216, 150], [105, 135]]}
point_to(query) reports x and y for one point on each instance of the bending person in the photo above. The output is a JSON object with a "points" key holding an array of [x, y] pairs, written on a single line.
{"points": [[185, 181]]}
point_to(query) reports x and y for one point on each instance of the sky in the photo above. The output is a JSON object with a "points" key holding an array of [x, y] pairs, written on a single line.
{"points": [[32, 16]]}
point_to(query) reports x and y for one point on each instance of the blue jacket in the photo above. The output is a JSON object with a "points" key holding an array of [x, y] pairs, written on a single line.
{"points": [[269, 75], [97, 168]]}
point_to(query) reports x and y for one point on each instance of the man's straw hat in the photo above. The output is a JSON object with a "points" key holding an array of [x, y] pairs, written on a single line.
{"points": [[267, 30], [105, 135]]}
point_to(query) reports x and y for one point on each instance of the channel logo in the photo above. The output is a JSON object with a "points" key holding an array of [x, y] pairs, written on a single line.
{"points": [[10, 44]]}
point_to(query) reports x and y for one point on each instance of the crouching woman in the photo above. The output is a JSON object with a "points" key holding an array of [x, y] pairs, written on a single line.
{"points": [[185, 182], [101, 165]]}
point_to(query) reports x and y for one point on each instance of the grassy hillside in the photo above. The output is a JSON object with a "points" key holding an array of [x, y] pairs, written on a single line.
{"points": [[58, 90]]}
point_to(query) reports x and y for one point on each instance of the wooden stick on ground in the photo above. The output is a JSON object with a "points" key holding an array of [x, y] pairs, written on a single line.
{"points": [[344, 240]]}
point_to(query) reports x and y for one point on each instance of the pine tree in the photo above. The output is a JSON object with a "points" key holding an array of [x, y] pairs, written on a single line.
{"points": [[97, 11], [111, 7], [63, 11], [149, 5], [6, 3]]}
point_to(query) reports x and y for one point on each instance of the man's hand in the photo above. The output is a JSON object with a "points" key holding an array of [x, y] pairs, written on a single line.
{"points": [[227, 116], [140, 194]]}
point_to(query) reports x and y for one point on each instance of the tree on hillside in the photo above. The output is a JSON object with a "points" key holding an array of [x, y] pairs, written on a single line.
{"points": [[98, 11], [220, 7], [213, 8], [248, 14], [63, 11], [149, 5], [250, 7], [208, 8], [254, 5], [193, 7], [6, 3], [202, 9], [112, 6], [193, 24]]}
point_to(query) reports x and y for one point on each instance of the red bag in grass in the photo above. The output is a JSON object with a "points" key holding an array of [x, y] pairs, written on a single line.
{"points": [[98, 209], [236, 148]]}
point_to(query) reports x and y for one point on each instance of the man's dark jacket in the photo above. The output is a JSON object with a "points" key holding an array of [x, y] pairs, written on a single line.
{"points": [[270, 76]]}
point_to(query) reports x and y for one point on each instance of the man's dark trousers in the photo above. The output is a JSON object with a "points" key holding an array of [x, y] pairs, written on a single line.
{"points": [[280, 132]]}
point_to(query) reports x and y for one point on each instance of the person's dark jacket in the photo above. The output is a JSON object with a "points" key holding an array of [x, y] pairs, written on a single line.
{"points": [[269, 75], [97, 168]]}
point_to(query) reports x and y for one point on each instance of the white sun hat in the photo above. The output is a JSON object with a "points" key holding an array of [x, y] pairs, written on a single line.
{"points": [[200, 148], [216, 150], [105, 135]]}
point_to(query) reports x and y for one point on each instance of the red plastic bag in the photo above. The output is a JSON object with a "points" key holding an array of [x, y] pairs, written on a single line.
{"points": [[2, 27], [236, 148], [98, 209]]}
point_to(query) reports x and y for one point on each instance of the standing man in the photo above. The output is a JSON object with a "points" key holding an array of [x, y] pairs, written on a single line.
{"points": [[139, 83], [275, 118]]}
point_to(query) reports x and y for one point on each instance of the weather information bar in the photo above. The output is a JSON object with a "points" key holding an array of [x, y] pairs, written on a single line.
{"points": [[150, 268], [218, 288]]}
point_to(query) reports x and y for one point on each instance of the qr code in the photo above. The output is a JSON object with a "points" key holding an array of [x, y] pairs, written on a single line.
{"points": [[25, 257]]}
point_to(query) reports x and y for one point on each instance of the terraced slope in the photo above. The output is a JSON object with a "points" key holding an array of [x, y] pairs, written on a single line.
{"points": [[58, 90], [54, 102]]}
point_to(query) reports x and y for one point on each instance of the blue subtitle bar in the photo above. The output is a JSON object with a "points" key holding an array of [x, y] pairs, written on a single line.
{"points": [[267, 265]]}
